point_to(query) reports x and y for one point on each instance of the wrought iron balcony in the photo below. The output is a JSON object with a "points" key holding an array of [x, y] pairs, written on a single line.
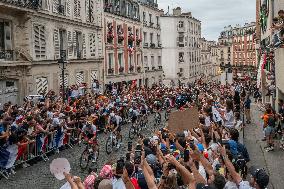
{"points": [[30, 4], [7, 55]]}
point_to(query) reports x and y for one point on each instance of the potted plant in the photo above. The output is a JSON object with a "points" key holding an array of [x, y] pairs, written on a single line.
{"points": [[110, 70], [109, 37], [138, 41], [120, 38], [121, 69]]}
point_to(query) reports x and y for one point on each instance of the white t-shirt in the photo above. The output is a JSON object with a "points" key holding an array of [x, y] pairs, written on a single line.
{"points": [[230, 185], [229, 119], [118, 184], [207, 121], [245, 185]]}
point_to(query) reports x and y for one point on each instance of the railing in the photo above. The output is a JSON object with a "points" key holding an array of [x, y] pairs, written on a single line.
{"points": [[152, 45], [7, 55], [160, 67], [145, 45], [31, 4], [110, 71]]}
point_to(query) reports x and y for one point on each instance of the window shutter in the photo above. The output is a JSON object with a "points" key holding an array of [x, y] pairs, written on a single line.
{"points": [[84, 50], [56, 44], [55, 6], [8, 37], [74, 43], [66, 82], [185, 41], [41, 85], [100, 45], [70, 43], [90, 10], [68, 7], [92, 44], [77, 8], [39, 41]]}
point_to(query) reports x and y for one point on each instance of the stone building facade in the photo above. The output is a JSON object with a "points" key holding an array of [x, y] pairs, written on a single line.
{"points": [[35, 34], [209, 59], [151, 38], [181, 51]]}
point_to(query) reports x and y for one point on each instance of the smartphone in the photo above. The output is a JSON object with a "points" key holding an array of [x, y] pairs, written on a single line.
{"points": [[119, 166], [127, 157], [137, 156], [139, 147], [186, 156], [129, 148]]}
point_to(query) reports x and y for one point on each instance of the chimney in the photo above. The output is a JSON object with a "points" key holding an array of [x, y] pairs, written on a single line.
{"points": [[177, 11]]}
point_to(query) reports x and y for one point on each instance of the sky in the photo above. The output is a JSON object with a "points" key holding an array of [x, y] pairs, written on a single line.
{"points": [[215, 14]]}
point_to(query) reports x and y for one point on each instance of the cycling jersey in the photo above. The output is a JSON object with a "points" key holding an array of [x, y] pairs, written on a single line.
{"points": [[89, 131]]}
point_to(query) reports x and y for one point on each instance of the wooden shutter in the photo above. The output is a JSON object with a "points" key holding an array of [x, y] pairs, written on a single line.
{"points": [[56, 44], [74, 43], [77, 8], [66, 78], [100, 44], [84, 50], [68, 7], [69, 43], [92, 44], [41, 85], [39, 41], [55, 5]]}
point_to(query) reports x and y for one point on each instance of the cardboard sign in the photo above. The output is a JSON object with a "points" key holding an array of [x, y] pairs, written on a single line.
{"points": [[180, 121]]}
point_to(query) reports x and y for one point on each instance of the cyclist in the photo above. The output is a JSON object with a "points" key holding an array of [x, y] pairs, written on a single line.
{"points": [[116, 120], [158, 106], [144, 110], [89, 132]]}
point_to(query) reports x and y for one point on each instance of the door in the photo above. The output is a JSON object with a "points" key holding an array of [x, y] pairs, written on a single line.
{"points": [[8, 92]]}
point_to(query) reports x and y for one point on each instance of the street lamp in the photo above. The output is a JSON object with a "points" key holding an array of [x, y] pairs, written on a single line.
{"points": [[61, 62]]}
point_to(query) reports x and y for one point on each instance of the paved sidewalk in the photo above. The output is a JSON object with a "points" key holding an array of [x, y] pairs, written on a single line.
{"points": [[273, 162]]}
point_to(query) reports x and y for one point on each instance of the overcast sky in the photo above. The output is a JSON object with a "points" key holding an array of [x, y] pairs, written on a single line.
{"points": [[215, 14]]}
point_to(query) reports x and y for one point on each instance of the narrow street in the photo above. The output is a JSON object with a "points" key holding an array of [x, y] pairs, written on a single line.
{"points": [[271, 161], [38, 176]]}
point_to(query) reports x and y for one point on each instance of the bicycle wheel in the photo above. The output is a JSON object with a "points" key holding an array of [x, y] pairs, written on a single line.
{"points": [[97, 153], [132, 132], [84, 159], [109, 145]]}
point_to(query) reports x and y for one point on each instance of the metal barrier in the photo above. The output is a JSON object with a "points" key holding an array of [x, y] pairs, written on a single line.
{"points": [[42, 144]]}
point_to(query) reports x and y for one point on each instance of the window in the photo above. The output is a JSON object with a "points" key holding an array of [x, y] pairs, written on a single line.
{"points": [[130, 60], [10, 83], [145, 37], [157, 20], [144, 16], [39, 41], [150, 18], [152, 61], [151, 37], [92, 44], [120, 62], [79, 44], [145, 61], [181, 57], [159, 61], [158, 38], [180, 24], [5, 40], [138, 59], [110, 58]]}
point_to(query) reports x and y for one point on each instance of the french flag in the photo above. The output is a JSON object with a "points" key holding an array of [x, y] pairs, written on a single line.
{"points": [[8, 156]]}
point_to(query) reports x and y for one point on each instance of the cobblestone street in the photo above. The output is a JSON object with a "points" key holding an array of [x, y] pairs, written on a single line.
{"points": [[38, 175]]}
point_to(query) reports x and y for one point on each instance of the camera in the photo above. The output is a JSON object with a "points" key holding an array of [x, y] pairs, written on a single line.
{"points": [[119, 166], [129, 147], [186, 156], [137, 156]]}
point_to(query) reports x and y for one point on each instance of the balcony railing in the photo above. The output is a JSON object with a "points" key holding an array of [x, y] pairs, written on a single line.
{"points": [[152, 45], [7, 55], [145, 45], [160, 67], [31, 4], [110, 71]]}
